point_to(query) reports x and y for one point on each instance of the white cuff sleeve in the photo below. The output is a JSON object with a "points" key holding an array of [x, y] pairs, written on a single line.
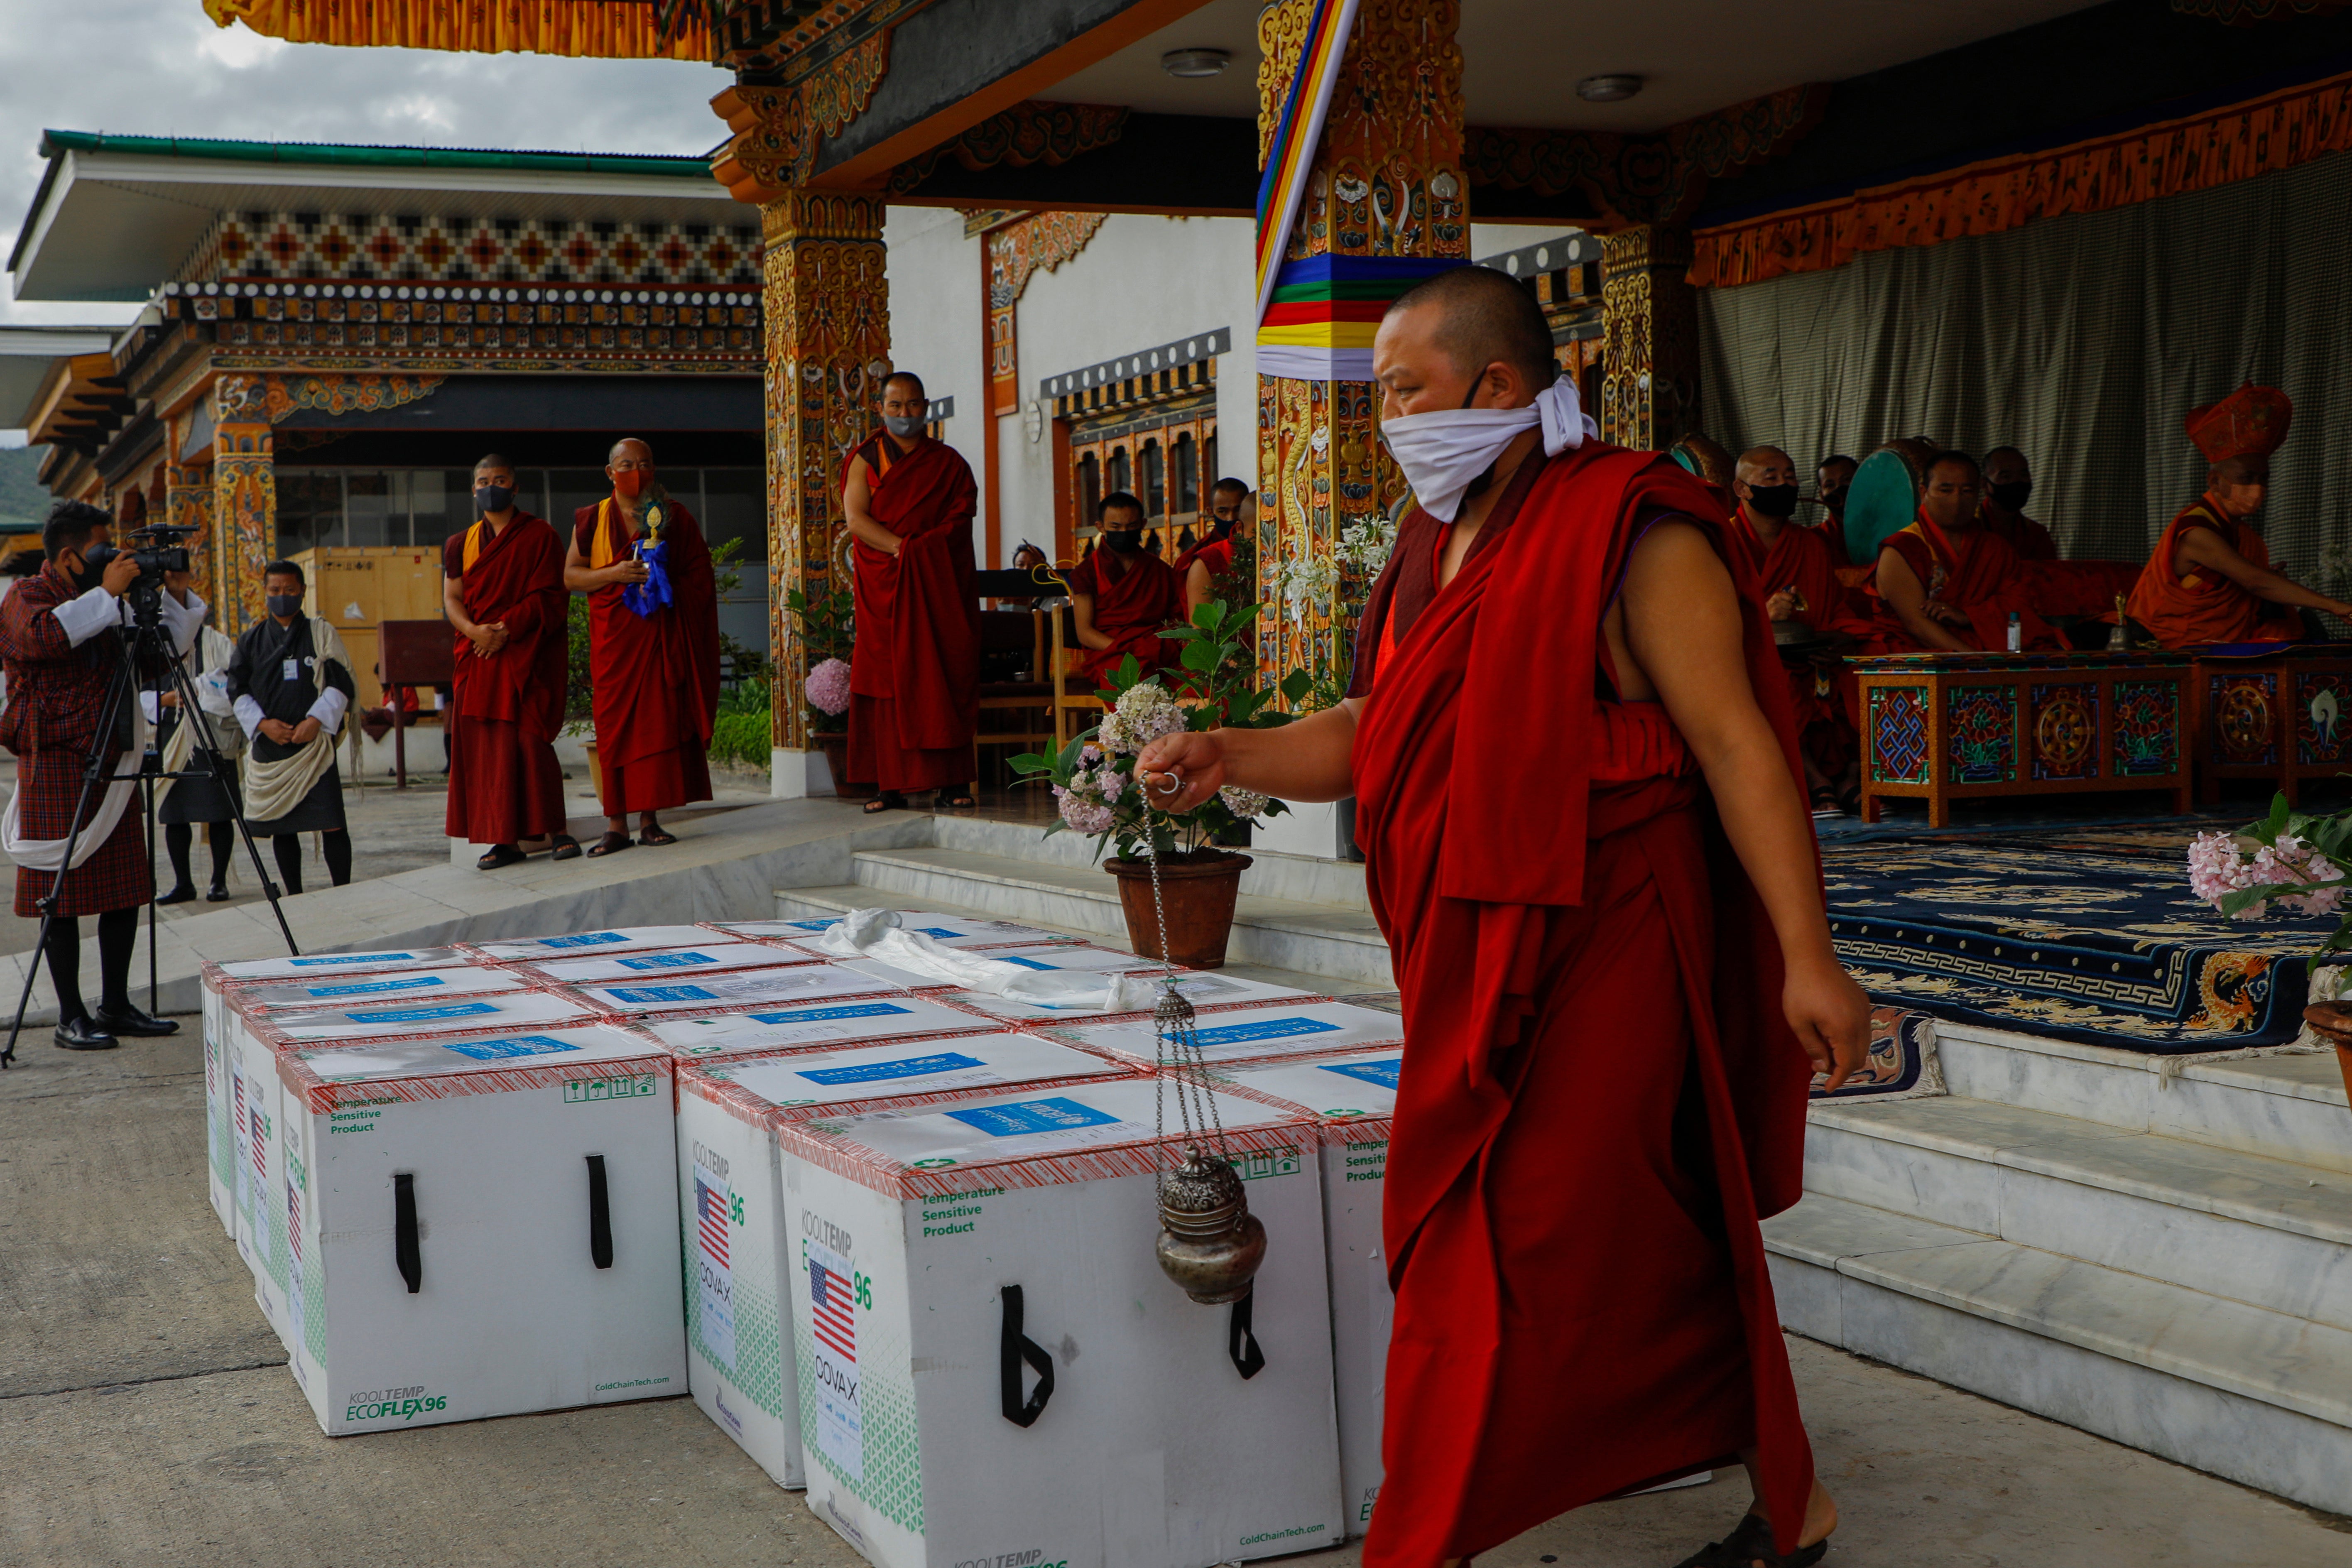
{"points": [[248, 714], [212, 693], [184, 620], [148, 706], [329, 710], [85, 617]]}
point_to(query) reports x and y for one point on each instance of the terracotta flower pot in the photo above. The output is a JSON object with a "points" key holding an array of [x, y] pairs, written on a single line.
{"points": [[1198, 893], [2332, 1022], [835, 748]]}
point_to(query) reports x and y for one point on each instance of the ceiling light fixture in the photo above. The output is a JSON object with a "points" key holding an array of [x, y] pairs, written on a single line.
{"points": [[1614, 89], [1190, 63]]}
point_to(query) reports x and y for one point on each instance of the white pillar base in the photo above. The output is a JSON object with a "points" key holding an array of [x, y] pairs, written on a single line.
{"points": [[794, 775], [1308, 827]]}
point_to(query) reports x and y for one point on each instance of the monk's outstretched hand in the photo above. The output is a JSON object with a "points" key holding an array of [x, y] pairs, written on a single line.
{"points": [[1830, 1016], [1178, 772]]}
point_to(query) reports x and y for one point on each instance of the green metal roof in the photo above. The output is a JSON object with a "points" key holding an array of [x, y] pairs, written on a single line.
{"points": [[55, 144]]}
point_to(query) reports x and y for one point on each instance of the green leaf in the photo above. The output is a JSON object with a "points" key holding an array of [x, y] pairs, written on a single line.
{"points": [[2238, 899], [1198, 655], [1131, 673], [1296, 685], [1030, 763]]}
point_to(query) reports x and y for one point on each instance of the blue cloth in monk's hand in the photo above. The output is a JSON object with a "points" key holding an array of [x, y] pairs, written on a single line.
{"points": [[653, 594]]}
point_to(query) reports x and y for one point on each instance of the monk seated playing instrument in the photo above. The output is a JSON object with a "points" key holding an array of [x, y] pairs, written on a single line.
{"points": [[2211, 580], [1122, 597], [1802, 589], [1944, 583], [2008, 484]]}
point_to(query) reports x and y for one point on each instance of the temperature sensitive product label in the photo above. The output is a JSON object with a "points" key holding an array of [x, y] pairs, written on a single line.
{"points": [[1383, 1074], [881, 1072], [513, 1045]]}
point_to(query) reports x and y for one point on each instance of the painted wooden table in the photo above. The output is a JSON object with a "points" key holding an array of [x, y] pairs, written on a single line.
{"points": [[1942, 727], [2285, 716]]}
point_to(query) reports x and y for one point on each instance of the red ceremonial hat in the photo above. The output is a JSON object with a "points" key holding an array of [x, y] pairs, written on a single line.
{"points": [[2252, 422]]}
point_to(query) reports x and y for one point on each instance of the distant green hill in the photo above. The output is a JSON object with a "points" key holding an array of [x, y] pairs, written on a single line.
{"points": [[22, 502]]}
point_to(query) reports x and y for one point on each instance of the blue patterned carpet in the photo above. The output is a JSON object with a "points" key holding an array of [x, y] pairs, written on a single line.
{"points": [[2084, 932]]}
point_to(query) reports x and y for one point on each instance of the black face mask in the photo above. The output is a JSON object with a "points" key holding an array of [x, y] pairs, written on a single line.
{"points": [[1127, 542], [2010, 497], [1833, 501], [79, 575], [493, 497], [1773, 500], [285, 605]]}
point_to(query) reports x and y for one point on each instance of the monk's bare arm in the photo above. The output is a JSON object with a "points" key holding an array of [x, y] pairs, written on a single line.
{"points": [[485, 639], [1682, 626], [1900, 586], [857, 498], [1082, 618], [579, 577], [1312, 759], [1197, 583], [2208, 552]]}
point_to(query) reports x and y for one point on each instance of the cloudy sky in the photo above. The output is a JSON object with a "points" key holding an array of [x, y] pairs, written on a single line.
{"points": [[161, 67]]}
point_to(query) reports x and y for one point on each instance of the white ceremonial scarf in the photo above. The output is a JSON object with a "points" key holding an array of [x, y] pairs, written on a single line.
{"points": [[273, 789], [876, 933], [49, 854], [212, 695], [1444, 451]]}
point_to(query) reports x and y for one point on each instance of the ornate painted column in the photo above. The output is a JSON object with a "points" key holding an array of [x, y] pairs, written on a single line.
{"points": [[1649, 314], [828, 341], [188, 503], [245, 497], [1387, 187]]}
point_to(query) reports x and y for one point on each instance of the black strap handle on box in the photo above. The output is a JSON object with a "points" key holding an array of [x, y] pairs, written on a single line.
{"points": [[1013, 1349], [600, 1214], [404, 1252], [1240, 1343]]}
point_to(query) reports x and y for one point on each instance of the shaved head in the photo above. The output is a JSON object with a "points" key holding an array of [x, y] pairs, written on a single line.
{"points": [[629, 446], [1756, 460], [908, 382], [1483, 317]]}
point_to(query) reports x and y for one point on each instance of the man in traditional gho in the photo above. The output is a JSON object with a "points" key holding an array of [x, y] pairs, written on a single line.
{"points": [[653, 646], [182, 803], [1212, 557], [1577, 790], [2008, 484], [1945, 583], [1123, 596], [914, 675], [503, 589], [289, 684], [1800, 584], [2211, 580], [60, 635], [1832, 478]]}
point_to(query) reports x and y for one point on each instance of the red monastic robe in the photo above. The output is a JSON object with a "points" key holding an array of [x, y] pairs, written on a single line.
{"points": [[1824, 701], [914, 677], [1973, 571], [2191, 609], [2028, 538], [1830, 531], [1599, 1099], [1133, 601], [505, 785], [654, 679]]}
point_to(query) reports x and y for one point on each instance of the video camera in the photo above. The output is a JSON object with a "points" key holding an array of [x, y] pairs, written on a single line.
{"points": [[165, 550]]}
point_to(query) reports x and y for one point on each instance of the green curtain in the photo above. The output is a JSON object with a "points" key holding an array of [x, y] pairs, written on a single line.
{"points": [[2081, 340]]}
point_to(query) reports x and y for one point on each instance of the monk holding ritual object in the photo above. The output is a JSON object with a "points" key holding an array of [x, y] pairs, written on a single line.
{"points": [[914, 676], [2211, 580], [1565, 645], [503, 589], [652, 645], [1123, 596], [1801, 588], [1945, 581], [2008, 484]]}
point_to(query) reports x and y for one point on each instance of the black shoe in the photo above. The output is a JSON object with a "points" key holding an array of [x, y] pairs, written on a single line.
{"points": [[216, 894], [183, 894], [129, 1020], [82, 1035]]}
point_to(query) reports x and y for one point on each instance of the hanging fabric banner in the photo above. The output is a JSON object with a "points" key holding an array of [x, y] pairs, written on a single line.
{"points": [[1290, 156]]}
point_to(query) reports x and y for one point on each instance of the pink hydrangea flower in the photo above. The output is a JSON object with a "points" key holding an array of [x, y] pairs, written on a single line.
{"points": [[1082, 815], [2219, 866], [827, 687]]}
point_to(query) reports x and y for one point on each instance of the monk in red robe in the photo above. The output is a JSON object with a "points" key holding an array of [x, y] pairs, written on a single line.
{"points": [[653, 646], [1800, 585], [2211, 580], [914, 677], [503, 589], [1233, 508], [2008, 483], [1832, 478], [1577, 791], [1122, 596], [1945, 583]]}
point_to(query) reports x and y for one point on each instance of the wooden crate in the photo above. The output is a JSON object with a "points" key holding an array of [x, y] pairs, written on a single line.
{"points": [[1958, 726], [359, 587], [2283, 717]]}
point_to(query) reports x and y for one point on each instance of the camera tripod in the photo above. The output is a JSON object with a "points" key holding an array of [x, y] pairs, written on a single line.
{"points": [[144, 636]]}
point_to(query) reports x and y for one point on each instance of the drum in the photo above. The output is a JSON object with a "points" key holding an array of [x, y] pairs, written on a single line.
{"points": [[1885, 495], [1702, 456]]}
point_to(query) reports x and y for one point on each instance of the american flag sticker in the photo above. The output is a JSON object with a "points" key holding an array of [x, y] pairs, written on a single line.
{"points": [[714, 1214], [834, 1306]]}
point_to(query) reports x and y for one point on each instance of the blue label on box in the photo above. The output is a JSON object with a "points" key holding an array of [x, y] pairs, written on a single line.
{"points": [[664, 994], [513, 1045], [592, 939], [1384, 1074], [811, 925], [1265, 1029], [349, 958], [1056, 1115], [939, 933], [826, 1015], [418, 1015], [1024, 962], [877, 1072], [666, 961], [365, 987]]}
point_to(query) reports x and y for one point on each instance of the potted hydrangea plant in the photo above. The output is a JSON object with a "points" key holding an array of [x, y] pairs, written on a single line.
{"points": [[1097, 793], [829, 631]]}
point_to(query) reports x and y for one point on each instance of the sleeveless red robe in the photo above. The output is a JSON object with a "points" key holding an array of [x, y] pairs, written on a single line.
{"points": [[1130, 607], [505, 785], [1826, 705], [914, 676], [1599, 1098], [2194, 609], [1973, 571]]}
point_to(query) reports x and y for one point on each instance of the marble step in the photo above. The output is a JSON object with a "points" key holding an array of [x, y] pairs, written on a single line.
{"points": [[2264, 1232], [1301, 879], [2256, 1397], [2282, 1107], [1326, 940]]}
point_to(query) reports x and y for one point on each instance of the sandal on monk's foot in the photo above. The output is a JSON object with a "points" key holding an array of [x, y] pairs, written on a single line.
{"points": [[610, 842], [1751, 1545], [566, 848], [499, 856], [888, 800], [1826, 802], [655, 835]]}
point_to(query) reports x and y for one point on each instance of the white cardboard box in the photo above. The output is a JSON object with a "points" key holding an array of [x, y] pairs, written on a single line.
{"points": [[482, 1226], [782, 983], [1251, 1034], [1207, 988], [497, 1012], [740, 1361], [599, 943], [949, 931], [1352, 1098], [947, 1258], [811, 1025]]}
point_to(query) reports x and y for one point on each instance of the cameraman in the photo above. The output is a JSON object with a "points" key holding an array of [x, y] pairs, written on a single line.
{"points": [[60, 639]]}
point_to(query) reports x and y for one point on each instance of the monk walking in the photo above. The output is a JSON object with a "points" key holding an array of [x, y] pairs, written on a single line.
{"points": [[1945, 583], [1577, 791], [652, 645], [914, 676], [2211, 580], [1800, 584], [2008, 484], [1122, 596], [502, 588]]}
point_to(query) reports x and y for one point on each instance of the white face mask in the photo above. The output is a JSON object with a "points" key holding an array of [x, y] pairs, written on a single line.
{"points": [[1443, 452]]}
